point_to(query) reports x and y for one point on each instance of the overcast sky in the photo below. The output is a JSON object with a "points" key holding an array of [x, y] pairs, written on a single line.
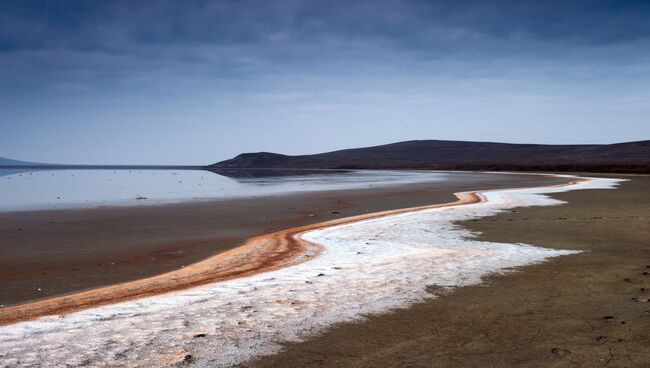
{"points": [[194, 82]]}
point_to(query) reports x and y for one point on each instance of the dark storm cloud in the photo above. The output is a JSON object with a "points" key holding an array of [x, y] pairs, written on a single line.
{"points": [[74, 47], [86, 24], [270, 31], [83, 45]]}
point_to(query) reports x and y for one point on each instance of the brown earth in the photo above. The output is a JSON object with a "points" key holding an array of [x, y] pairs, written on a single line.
{"points": [[584, 310]]}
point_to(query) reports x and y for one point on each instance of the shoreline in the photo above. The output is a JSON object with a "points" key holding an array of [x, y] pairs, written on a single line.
{"points": [[69, 251], [257, 255], [476, 201], [585, 310]]}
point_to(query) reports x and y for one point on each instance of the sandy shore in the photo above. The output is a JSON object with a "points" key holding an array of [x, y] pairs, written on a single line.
{"points": [[264, 253], [257, 255], [585, 310], [51, 253], [383, 259]]}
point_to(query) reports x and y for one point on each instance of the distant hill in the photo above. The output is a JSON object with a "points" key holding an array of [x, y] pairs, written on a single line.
{"points": [[10, 162], [631, 157]]}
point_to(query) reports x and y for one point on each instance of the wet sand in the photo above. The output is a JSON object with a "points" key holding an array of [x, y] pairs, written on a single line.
{"points": [[264, 253], [50, 253], [584, 310]]}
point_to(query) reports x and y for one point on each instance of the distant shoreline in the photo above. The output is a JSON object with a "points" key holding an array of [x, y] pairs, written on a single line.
{"points": [[103, 167], [591, 169]]}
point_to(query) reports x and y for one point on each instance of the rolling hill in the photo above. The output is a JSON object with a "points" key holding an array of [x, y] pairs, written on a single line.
{"points": [[631, 157]]}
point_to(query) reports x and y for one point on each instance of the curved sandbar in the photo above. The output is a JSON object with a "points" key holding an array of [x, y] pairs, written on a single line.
{"points": [[259, 254]]}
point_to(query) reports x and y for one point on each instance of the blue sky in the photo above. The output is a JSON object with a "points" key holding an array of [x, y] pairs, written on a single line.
{"points": [[194, 82]]}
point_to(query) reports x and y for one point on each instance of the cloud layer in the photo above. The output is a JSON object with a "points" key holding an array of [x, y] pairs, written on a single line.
{"points": [[416, 69]]}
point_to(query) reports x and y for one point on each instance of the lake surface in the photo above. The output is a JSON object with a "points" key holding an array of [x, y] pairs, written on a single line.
{"points": [[52, 189]]}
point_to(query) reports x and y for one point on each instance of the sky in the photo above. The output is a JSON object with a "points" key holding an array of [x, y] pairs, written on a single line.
{"points": [[196, 82]]}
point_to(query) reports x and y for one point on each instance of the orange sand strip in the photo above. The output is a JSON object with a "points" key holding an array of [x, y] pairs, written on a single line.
{"points": [[259, 254]]}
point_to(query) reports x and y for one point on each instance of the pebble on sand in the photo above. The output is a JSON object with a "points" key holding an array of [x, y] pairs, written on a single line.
{"points": [[181, 359], [559, 352]]}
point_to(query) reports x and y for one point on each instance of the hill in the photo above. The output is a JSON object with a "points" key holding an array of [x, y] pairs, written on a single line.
{"points": [[459, 155], [10, 162]]}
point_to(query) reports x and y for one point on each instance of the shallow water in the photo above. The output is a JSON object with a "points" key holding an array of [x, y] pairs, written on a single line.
{"points": [[51, 189]]}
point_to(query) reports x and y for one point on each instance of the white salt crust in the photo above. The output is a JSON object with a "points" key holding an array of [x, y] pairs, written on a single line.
{"points": [[367, 267]]}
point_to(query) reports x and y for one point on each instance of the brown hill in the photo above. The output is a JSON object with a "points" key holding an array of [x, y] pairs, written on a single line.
{"points": [[459, 155]]}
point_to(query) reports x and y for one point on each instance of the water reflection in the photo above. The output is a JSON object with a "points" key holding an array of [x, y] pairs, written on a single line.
{"points": [[22, 189], [5, 172], [244, 174]]}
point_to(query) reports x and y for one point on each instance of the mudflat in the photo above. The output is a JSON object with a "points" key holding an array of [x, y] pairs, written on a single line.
{"points": [[585, 310], [50, 253]]}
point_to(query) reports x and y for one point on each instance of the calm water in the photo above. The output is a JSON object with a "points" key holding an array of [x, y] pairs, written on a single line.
{"points": [[83, 188]]}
